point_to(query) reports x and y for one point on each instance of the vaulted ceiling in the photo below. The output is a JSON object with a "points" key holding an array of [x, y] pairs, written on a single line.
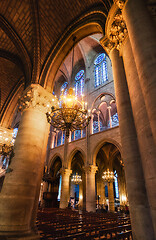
{"points": [[29, 31]]}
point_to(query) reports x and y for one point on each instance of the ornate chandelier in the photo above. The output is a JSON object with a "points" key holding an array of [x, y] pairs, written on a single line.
{"points": [[70, 114], [76, 179], [108, 176], [6, 141]]}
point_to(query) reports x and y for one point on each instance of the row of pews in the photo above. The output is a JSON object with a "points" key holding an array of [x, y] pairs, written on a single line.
{"points": [[67, 224]]}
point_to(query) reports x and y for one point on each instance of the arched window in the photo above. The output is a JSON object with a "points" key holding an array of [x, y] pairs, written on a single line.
{"points": [[116, 185], [64, 88], [79, 83], [100, 70]]}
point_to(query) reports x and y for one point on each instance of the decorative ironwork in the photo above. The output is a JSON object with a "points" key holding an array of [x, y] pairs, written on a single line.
{"points": [[70, 114], [76, 179], [108, 176]]}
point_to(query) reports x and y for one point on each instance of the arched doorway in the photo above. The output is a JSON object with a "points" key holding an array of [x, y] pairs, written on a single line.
{"points": [[110, 195], [77, 188], [52, 184]]}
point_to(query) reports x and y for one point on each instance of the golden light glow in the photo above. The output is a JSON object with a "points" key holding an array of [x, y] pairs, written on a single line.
{"points": [[108, 176], [70, 115], [76, 179], [6, 141]]}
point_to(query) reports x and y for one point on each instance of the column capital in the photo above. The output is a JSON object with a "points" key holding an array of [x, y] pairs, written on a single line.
{"points": [[107, 44], [65, 171], [91, 169], [119, 3], [116, 32], [37, 97]]}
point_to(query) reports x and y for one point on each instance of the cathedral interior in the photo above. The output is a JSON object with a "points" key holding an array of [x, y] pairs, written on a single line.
{"points": [[87, 67]]}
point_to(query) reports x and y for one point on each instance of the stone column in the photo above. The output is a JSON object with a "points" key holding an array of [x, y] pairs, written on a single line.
{"points": [[98, 121], [84, 189], [139, 207], [81, 133], [98, 188], [19, 198], [74, 135], [101, 190], [49, 187], [56, 138], [143, 128], [81, 195], [70, 133], [103, 198], [91, 124], [142, 36], [111, 196], [90, 188], [109, 113], [53, 140], [65, 173], [62, 138], [44, 189]]}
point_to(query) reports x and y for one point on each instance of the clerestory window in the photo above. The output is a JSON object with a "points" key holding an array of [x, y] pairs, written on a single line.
{"points": [[79, 83], [100, 70]]}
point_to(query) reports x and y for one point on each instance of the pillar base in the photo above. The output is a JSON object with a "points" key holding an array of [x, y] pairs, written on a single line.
{"points": [[19, 236]]}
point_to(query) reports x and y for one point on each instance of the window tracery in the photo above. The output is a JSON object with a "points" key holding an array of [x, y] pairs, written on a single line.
{"points": [[79, 83], [100, 70]]}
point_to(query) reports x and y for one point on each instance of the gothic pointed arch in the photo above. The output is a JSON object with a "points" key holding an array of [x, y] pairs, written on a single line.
{"points": [[17, 41], [91, 22]]}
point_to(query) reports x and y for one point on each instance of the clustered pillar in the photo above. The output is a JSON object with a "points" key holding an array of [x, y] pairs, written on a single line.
{"points": [[20, 192], [111, 196], [65, 173], [90, 188], [130, 42]]}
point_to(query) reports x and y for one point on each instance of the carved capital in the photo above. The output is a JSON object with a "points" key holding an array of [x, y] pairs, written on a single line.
{"points": [[118, 30], [120, 3], [116, 33], [107, 44], [91, 169], [37, 97], [65, 172]]}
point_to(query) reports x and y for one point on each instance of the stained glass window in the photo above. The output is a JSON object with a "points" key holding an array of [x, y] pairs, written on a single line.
{"points": [[64, 88], [96, 126], [59, 191], [77, 134], [79, 83], [116, 185], [115, 120], [100, 70]]}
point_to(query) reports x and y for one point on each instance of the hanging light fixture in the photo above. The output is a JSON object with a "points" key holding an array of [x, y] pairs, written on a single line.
{"points": [[6, 141], [108, 176], [76, 179], [70, 113]]}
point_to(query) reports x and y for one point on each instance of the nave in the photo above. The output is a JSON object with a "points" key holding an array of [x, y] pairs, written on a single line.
{"points": [[54, 223]]}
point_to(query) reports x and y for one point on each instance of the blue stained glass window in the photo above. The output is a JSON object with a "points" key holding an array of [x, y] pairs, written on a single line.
{"points": [[115, 120], [59, 191], [96, 126], [77, 134], [100, 70], [79, 83], [64, 88], [106, 191], [116, 185]]}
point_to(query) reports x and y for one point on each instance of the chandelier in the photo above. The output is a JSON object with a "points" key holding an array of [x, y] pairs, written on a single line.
{"points": [[6, 141], [69, 114], [108, 176], [76, 179]]}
